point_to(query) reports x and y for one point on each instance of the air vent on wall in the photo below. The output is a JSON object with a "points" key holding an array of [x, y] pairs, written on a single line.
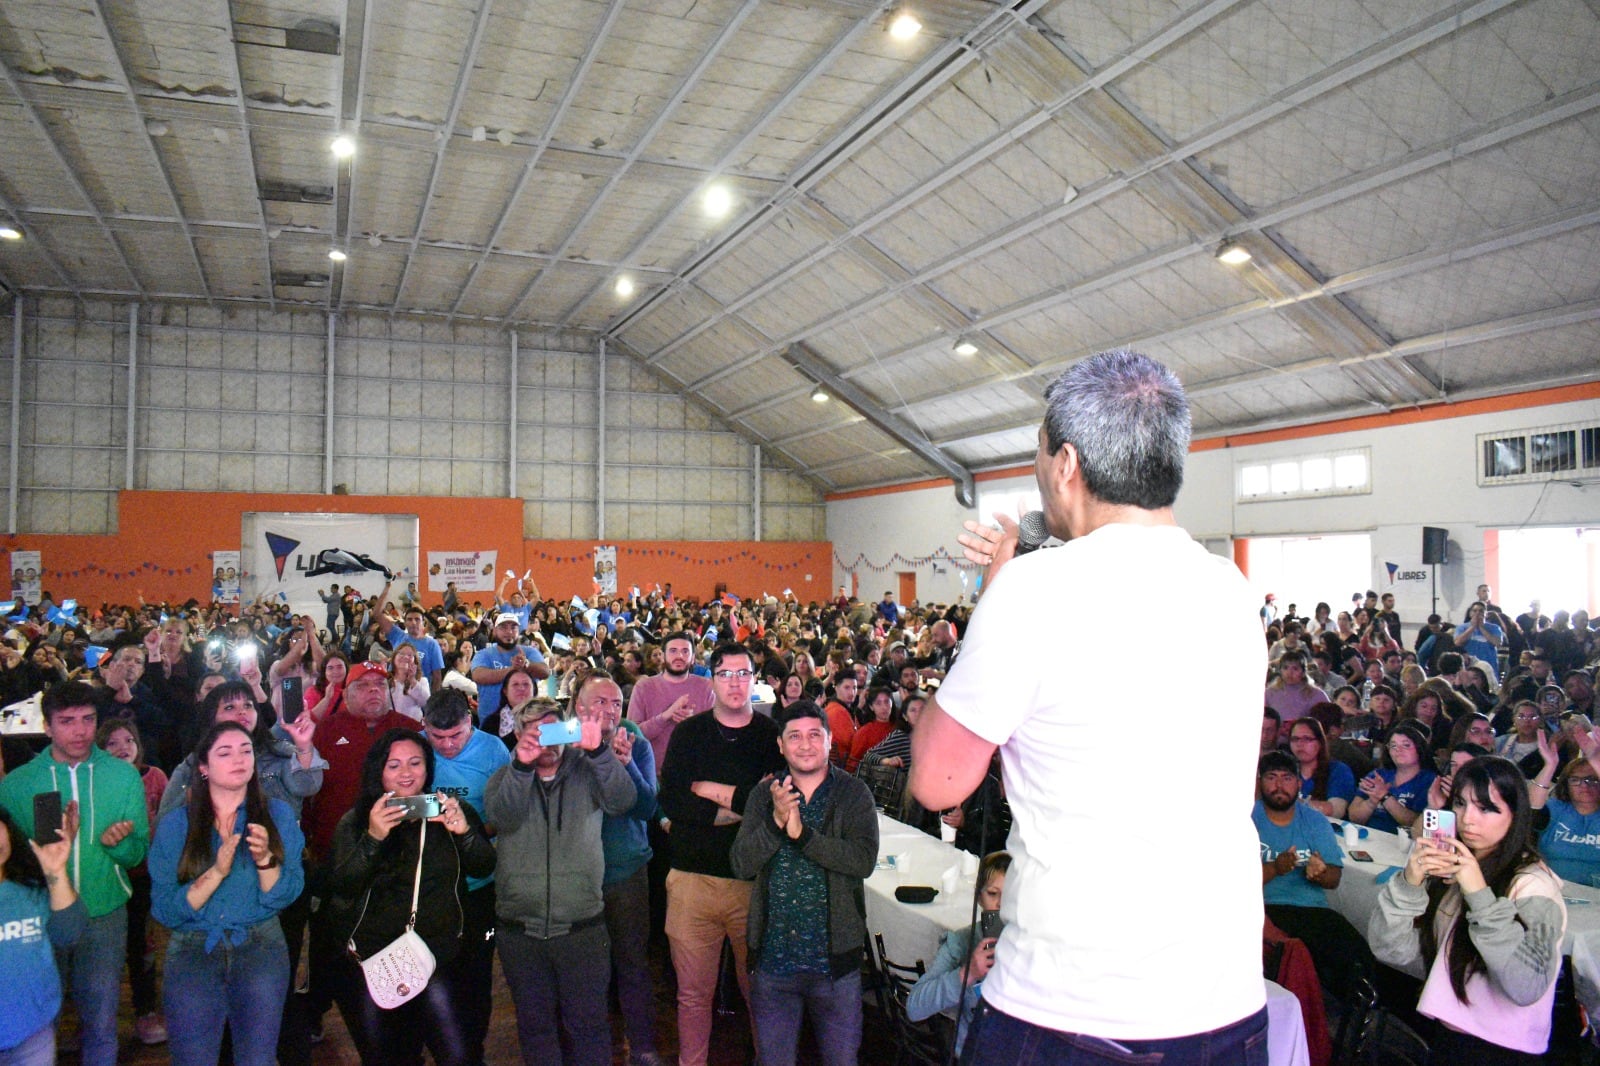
{"points": [[290, 280], [289, 192], [1544, 453]]}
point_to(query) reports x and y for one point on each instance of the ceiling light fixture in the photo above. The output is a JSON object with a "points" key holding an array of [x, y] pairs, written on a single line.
{"points": [[624, 286], [819, 395], [156, 128], [904, 26], [337, 255], [506, 138], [10, 233], [375, 240], [964, 346], [343, 146], [1233, 254], [718, 201]]}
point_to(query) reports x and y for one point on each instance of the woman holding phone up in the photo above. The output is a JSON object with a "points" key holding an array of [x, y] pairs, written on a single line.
{"points": [[1492, 921], [372, 875]]}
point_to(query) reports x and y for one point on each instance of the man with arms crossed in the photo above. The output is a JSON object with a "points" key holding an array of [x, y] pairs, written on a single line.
{"points": [[713, 763], [1109, 465]]}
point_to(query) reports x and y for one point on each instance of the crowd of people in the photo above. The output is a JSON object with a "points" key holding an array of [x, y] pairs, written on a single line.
{"points": [[405, 791], [258, 829], [1355, 728]]}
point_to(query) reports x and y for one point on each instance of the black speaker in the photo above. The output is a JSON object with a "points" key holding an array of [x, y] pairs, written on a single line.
{"points": [[1435, 545]]}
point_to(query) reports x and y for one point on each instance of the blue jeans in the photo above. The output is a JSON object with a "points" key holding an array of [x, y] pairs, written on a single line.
{"points": [[37, 1050], [835, 1007], [241, 986], [998, 1039], [91, 970], [561, 980]]}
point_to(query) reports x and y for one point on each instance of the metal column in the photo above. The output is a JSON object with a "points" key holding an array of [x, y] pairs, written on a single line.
{"points": [[133, 392], [16, 410], [600, 451], [511, 423], [327, 413]]}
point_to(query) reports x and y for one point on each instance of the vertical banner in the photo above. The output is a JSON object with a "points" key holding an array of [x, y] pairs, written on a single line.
{"points": [[605, 569], [26, 582], [225, 580], [471, 571]]}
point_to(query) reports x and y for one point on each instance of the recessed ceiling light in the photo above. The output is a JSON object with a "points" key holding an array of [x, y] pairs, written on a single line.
{"points": [[818, 395], [343, 146], [156, 128], [337, 255], [964, 346], [624, 286], [905, 26], [718, 201], [1233, 254], [10, 233]]}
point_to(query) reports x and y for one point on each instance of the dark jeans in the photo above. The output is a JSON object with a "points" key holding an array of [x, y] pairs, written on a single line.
{"points": [[1339, 952], [240, 987], [91, 971], [294, 1035], [1450, 1046], [471, 977], [628, 923], [141, 960], [397, 1037], [776, 1004], [997, 1039], [563, 978]]}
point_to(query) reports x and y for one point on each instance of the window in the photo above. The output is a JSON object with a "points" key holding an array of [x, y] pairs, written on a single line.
{"points": [[1328, 474], [1543, 453]]}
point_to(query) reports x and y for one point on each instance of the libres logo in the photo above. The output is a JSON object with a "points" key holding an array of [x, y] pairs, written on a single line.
{"points": [[281, 548]]}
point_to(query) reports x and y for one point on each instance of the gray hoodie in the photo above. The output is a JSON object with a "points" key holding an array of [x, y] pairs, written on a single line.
{"points": [[551, 861]]}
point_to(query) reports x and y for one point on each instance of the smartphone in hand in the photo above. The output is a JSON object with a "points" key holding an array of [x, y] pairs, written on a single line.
{"points": [[1439, 828], [47, 817]]}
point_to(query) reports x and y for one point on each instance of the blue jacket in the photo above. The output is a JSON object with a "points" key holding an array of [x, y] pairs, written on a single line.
{"points": [[625, 838]]}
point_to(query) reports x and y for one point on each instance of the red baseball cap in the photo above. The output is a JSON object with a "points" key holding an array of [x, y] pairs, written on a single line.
{"points": [[360, 670]]}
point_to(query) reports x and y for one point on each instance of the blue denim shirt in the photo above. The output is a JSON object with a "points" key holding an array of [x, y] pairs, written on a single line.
{"points": [[238, 903]]}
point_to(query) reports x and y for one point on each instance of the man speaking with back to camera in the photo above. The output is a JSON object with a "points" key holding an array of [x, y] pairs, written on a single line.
{"points": [[1111, 943]]}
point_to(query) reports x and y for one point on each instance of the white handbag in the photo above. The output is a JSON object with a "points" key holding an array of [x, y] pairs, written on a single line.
{"points": [[400, 970]]}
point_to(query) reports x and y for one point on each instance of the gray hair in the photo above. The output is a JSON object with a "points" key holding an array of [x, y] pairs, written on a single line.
{"points": [[1128, 418]]}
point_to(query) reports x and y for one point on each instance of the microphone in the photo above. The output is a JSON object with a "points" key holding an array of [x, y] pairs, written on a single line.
{"points": [[1031, 532]]}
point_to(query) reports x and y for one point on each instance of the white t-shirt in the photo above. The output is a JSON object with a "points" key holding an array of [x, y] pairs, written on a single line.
{"points": [[1133, 904]]}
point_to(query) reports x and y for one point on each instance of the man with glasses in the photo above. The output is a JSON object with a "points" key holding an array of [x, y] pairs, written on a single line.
{"points": [[713, 761], [1300, 863]]}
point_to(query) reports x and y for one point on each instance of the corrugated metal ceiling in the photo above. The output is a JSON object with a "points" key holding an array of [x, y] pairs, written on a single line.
{"points": [[1419, 184]]}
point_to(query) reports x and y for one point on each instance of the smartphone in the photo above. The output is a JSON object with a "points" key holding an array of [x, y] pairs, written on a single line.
{"points": [[47, 817], [417, 807], [1361, 856], [554, 734], [1439, 827], [292, 691], [245, 652], [989, 925]]}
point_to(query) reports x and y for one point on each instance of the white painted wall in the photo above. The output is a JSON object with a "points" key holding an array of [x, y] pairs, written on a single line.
{"points": [[1422, 474]]}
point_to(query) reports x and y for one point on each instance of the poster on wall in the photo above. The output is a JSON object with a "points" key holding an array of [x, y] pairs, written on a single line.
{"points": [[605, 569], [26, 582], [471, 571], [225, 579], [295, 558], [1404, 574]]}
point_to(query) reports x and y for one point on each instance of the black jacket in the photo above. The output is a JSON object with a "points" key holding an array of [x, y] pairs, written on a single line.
{"points": [[369, 881]]}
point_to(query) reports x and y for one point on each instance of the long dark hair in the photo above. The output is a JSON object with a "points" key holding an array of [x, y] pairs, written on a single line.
{"points": [[372, 768], [23, 865], [261, 736], [1517, 851], [198, 852], [1319, 776]]}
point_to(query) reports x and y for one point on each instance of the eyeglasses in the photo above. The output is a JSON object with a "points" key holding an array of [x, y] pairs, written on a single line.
{"points": [[732, 675], [1529, 717], [1584, 782]]}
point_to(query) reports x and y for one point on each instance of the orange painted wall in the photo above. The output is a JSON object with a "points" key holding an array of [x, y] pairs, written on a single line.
{"points": [[164, 540]]}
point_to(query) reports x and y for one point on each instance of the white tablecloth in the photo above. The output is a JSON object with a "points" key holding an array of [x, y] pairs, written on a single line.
{"points": [[1286, 1028], [913, 931]]}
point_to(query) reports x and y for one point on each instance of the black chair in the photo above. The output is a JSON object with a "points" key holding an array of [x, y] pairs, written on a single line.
{"points": [[888, 785], [928, 1042]]}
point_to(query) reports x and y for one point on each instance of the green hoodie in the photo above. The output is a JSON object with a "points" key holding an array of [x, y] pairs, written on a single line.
{"points": [[107, 790]]}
